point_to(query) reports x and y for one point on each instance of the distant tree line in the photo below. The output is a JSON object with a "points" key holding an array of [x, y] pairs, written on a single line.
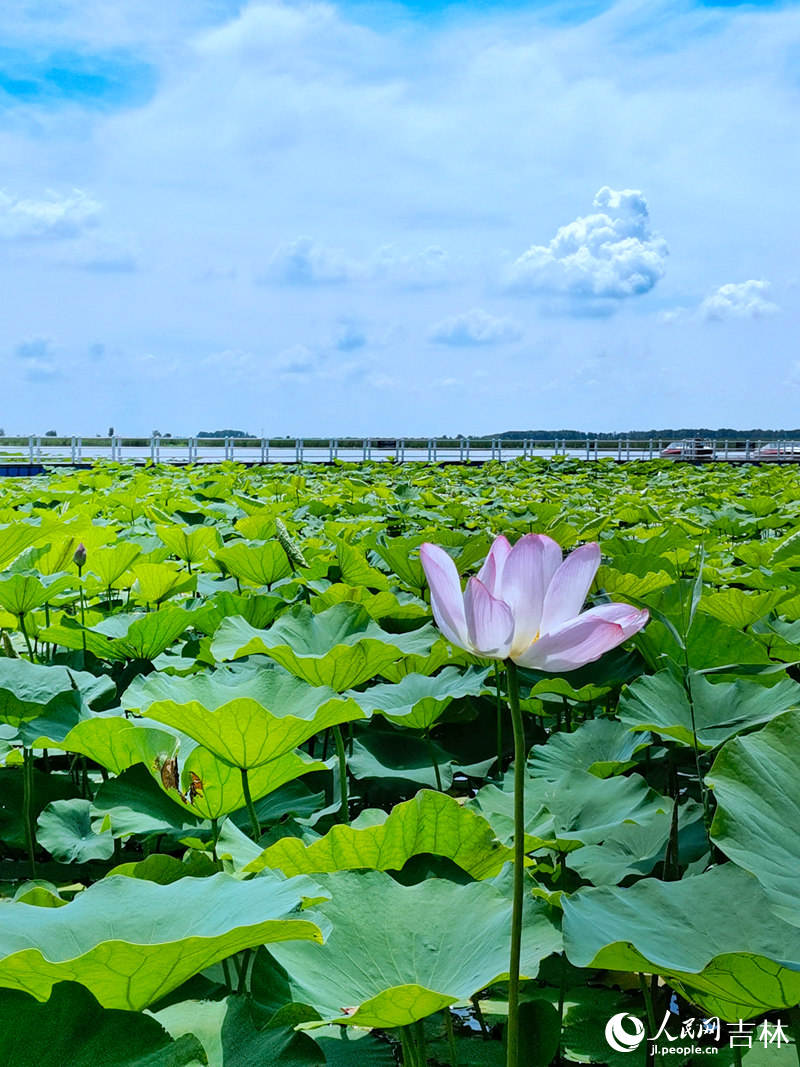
{"points": [[725, 433]]}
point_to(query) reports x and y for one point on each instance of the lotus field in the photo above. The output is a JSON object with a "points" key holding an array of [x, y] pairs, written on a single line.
{"points": [[367, 765]]}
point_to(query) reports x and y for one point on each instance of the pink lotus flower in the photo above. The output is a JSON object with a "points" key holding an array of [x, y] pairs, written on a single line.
{"points": [[525, 605]]}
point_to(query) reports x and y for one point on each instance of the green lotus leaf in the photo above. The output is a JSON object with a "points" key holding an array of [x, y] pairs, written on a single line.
{"points": [[721, 709], [396, 552], [72, 1028], [429, 823], [17, 536], [51, 693], [756, 784], [622, 584], [577, 809], [124, 637], [192, 544], [379, 606], [341, 647], [245, 715], [260, 563], [738, 608], [156, 582], [355, 570], [424, 947], [65, 830], [736, 969], [602, 747], [131, 941], [259, 609], [110, 563], [167, 869], [418, 701], [212, 788], [22, 593], [114, 742]]}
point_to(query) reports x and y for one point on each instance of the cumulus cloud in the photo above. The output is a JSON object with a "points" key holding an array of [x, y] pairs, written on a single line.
{"points": [[739, 300], [475, 327], [609, 255], [305, 262], [56, 216]]}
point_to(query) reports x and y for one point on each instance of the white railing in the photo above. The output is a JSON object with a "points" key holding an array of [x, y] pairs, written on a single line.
{"points": [[36, 450]]}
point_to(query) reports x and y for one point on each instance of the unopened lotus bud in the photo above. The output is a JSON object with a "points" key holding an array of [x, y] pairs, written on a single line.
{"points": [[79, 558]]}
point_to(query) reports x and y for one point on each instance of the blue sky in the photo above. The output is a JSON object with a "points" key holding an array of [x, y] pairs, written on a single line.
{"points": [[311, 218]]}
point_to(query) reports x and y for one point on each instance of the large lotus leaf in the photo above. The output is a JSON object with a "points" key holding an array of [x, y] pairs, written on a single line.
{"points": [[757, 787], [259, 609], [258, 563], [738, 608], [341, 647], [431, 822], [710, 643], [156, 582], [123, 637], [721, 709], [17, 536], [22, 593], [131, 941], [736, 966], [212, 788], [30, 691], [441, 654], [114, 742], [384, 605], [233, 1034], [418, 701], [397, 553], [110, 563], [400, 953], [603, 747], [246, 715], [624, 583], [577, 809], [72, 1030], [65, 830], [355, 569], [190, 543]]}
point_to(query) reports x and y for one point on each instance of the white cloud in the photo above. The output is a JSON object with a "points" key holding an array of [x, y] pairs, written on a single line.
{"points": [[56, 216], [612, 254], [475, 327], [739, 300], [304, 262]]}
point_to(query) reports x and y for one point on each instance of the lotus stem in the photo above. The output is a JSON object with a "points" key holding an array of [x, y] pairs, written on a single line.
{"points": [[434, 763], [499, 719], [27, 806], [31, 656], [338, 740], [407, 1044], [422, 1052], [512, 1056], [451, 1037], [251, 811]]}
